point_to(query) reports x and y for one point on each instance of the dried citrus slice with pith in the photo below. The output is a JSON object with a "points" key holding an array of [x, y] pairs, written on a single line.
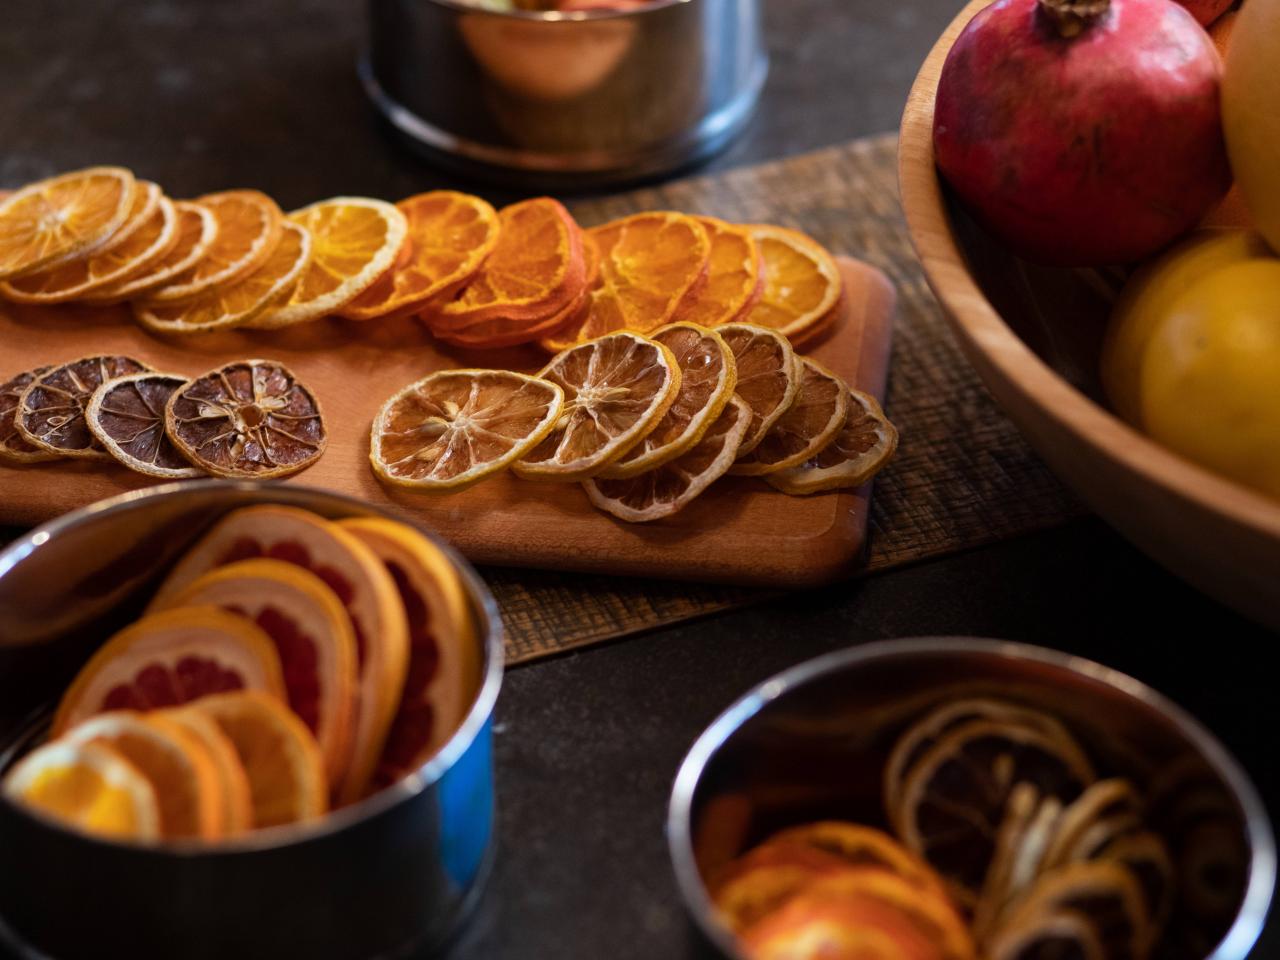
{"points": [[51, 409], [232, 784], [707, 378], [811, 422], [126, 415], [194, 231], [802, 282], [449, 235], [615, 388], [14, 448], [312, 635], [62, 218], [862, 846], [735, 277], [767, 376], [444, 662], [668, 489], [88, 787], [1104, 891], [284, 766], [455, 427], [1050, 933], [146, 198], [170, 658], [354, 240], [250, 418], [248, 229], [862, 446]]}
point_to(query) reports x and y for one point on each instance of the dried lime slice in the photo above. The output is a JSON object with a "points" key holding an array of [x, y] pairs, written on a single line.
{"points": [[127, 416], [14, 448], [51, 410]]}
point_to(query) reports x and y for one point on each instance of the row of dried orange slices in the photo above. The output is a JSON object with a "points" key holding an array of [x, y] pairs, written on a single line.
{"points": [[646, 424], [336, 656], [245, 419]]}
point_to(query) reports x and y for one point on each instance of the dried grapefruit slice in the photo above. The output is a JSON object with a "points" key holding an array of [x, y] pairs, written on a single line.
{"points": [[616, 388], [862, 446], [250, 418], [170, 658], [248, 229], [455, 427], [360, 581], [284, 766], [126, 416], [707, 378], [232, 784], [178, 766], [88, 787], [62, 218], [194, 231], [1051, 933], [802, 282], [668, 489], [312, 635], [767, 376], [444, 662], [735, 277], [449, 236], [354, 241], [51, 408], [806, 428], [14, 448]]}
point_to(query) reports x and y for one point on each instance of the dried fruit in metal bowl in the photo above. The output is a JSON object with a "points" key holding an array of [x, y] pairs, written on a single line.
{"points": [[126, 415]]}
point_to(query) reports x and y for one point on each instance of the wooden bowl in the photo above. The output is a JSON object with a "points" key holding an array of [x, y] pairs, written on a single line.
{"points": [[1033, 334]]}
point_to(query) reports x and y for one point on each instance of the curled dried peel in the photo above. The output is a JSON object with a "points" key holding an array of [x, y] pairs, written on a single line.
{"points": [[51, 409], [126, 415], [806, 427], [861, 447]]}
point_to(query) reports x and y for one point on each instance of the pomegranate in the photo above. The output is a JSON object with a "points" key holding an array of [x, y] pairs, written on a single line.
{"points": [[1083, 132]]}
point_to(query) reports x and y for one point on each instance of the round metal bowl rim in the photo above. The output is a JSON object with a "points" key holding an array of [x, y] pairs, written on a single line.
{"points": [[556, 16], [335, 821], [1249, 921]]}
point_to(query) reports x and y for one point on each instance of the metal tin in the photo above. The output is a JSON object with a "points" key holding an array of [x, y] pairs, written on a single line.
{"points": [[393, 873], [811, 743], [566, 99]]}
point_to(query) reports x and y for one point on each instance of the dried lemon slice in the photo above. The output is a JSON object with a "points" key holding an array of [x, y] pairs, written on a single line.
{"points": [[456, 427], [51, 410], [806, 428], [127, 417], [14, 448], [862, 446], [616, 388], [767, 376]]}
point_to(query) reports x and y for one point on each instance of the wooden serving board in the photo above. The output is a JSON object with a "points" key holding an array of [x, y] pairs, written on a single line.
{"points": [[740, 531]]}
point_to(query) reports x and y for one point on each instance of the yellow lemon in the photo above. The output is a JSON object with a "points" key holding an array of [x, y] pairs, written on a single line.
{"points": [[1251, 112]]}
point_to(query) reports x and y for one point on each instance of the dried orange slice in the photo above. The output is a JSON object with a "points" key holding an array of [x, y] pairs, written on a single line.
{"points": [[51, 408], [232, 784], [449, 236], [14, 448], [146, 199], [444, 662], [354, 241], [280, 758], [862, 446], [360, 581], [312, 635], [707, 378], [72, 215], [250, 418], [88, 787], [860, 846], [248, 229], [616, 388], [194, 233], [806, 428], [802, 282], [179, 768], [126, 416], [735, 277], [767, 876], [767, 376], [668, 489], [170, 658], [1052, 933]]}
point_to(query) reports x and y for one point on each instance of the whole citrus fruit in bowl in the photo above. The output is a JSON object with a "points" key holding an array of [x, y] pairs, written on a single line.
{"points": [[1251, 112]]}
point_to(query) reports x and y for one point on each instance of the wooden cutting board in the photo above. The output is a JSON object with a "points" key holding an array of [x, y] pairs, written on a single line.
{"points": [[739, 531]]}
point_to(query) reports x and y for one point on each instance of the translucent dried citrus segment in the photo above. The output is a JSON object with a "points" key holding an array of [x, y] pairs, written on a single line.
{"points": [[126, 416], [170, 658], [194, 234], [862, 446], [767, 376], [248, 229], [51, 409], [280, 757], [707, 378], [236, 302], [449, 236], [250, 418], [456, 427], [232, 784], [802, 282], [735, 277], [14, 448], [62, 218], [88, 787], [354, 240], [667, 489], [811, 422], [616, 388]]}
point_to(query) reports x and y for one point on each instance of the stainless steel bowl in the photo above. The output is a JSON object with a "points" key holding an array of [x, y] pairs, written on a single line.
{"points": [[393, 873], [811, 743], [566, 99]]}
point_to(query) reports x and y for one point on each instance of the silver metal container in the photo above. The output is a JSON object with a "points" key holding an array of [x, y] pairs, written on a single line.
{"points": [[811, 743], [566, 99], [393, 873]]}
